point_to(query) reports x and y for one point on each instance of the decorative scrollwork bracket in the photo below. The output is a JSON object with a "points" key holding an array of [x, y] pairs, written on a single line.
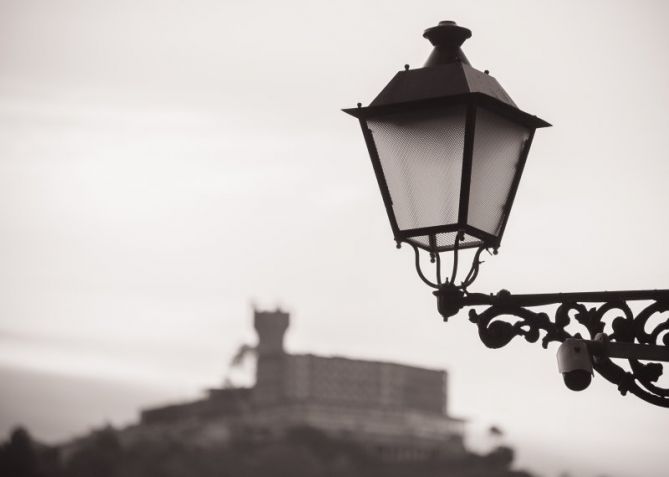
{"points": [[611, 319]]}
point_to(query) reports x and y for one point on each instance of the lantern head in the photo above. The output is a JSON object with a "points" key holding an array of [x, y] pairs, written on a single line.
{"points": [[448, 147]]}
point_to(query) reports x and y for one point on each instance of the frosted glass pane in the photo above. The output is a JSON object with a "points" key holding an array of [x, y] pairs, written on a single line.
{"points": [[421, 156], [498, 144], [446, 241]]}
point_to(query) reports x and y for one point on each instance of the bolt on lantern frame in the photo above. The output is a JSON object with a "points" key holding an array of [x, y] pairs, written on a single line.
{"points": [[448, 147]]}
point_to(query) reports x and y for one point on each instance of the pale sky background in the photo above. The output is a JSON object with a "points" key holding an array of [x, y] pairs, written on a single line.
{"points": [[164, 164]]}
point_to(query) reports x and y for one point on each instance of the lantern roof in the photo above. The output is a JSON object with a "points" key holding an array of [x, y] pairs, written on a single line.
{"points": [[452, 79], [447, 77]]}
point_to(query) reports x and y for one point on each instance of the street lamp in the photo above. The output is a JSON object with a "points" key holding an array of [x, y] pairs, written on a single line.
{"points": [[448, 147]]}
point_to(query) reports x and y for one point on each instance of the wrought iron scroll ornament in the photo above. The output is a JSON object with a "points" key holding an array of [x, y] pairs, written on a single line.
{"points": [[607, 315]]}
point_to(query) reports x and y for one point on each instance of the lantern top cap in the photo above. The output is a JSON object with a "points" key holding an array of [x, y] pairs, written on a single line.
{"points": [[447, 38], [447, 32]]}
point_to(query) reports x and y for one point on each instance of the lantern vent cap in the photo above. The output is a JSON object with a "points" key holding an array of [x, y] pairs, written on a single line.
{"points": [[447, 38]]}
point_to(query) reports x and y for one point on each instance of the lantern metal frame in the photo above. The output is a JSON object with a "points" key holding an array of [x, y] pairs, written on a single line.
{"points": [[614, 329], [472, 101]]}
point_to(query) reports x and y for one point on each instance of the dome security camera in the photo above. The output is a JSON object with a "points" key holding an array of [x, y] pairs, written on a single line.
{"points": [[575, 363]]}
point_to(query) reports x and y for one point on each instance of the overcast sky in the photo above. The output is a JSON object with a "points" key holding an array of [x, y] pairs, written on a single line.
{"points": [[165, 164]]}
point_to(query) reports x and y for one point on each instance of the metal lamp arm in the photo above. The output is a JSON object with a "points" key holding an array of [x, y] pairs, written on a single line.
{"points": [[507, 316]]}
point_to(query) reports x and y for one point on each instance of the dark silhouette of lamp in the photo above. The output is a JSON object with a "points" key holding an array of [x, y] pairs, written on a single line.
{"points": [[448, 147]]}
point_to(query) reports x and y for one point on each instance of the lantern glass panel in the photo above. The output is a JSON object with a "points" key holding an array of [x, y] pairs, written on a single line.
{"points": [[421, 156], [498, 145], [445, 241]]}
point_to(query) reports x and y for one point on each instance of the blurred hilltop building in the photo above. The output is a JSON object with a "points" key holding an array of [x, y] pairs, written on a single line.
{"points": [[399, 412], [306, 416]]}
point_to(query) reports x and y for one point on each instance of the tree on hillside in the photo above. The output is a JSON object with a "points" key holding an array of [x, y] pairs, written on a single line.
{"points": [[18, 456]]}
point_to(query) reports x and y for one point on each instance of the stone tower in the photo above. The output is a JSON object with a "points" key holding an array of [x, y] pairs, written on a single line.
{"points": [[271, 327]]}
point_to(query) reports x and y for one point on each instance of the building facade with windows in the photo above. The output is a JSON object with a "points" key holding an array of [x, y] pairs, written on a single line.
{"points": [[398, 410]]}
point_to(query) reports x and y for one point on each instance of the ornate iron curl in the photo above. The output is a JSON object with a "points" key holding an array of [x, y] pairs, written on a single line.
{"points": [[508, 316]]}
